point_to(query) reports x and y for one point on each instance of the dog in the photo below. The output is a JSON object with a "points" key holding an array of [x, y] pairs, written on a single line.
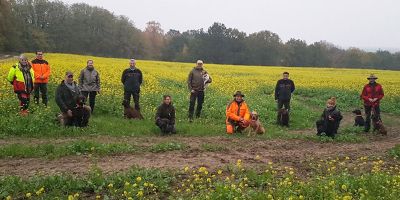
{"points": [[358, 120], [131, 113], [377, 123], [283, 117], [255, 126], [81, 113]]}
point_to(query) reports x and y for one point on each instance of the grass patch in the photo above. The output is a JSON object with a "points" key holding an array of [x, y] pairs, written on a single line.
{"points": [[167, 146], [213, 147]]}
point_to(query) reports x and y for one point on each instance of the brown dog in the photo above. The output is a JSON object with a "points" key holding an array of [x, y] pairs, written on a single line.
{"points": [[131, 113], [377, 123], [255, 126]]}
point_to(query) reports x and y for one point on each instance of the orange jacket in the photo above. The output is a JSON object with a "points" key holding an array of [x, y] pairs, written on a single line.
{"points": [[235, 111], [41, 68]]}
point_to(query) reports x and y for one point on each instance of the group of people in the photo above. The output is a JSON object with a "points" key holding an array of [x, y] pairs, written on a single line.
{"points": [[33, 77]]}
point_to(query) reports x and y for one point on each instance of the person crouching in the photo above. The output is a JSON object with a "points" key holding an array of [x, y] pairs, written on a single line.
{"points": [[237, 114], [165, 116], [71, 103], [330, 119]]}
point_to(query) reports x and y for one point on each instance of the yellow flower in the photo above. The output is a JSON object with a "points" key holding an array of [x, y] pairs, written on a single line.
{"points": [[70, 197], [257, 157], [219, 172], [139, 194], [98, 197], [28, 195], [9, 197], [138, 179], [127, 183], [110, 185], [344, 187], [186, 169]]}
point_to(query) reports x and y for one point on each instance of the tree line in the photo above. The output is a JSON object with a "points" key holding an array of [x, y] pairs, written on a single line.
{"points": [[54, 26]]}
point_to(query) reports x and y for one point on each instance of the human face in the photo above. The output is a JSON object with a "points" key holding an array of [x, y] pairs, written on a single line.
{"points": [[199, 65], [372, 80], [90, 63], [238, 98], [39, 55], [167, 100], [285, 76], [132, 63], [23, 61], [69, 78]]}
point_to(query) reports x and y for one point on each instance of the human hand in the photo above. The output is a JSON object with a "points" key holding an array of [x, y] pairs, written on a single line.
{"points": [[192, 91], [69, 113]]}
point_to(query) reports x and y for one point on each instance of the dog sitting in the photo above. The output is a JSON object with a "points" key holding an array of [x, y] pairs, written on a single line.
{"points": [[358, 120], [283, 117], [131, 113], [255, 126], [81, 113], [378, 124]]}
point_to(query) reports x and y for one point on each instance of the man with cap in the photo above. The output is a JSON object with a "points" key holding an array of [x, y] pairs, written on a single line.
{"points": [[196, 84], [371, 94], [70, 101], [21, 76], [237, 114], [132, 78]]}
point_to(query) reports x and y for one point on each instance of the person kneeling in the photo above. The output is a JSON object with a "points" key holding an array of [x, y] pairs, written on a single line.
{"points": [[71, 103], [330, 119], [165, 116], [237, 114]]}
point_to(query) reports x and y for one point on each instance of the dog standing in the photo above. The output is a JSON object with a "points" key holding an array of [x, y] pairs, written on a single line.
{"points": [[131, 113], [255, 126], [358, 120], [283, 117]]}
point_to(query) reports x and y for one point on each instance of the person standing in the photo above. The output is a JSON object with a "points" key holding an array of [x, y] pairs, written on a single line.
{"points": [[165, 116], [42, 73], [283, 91], [197, 80], [89, 83], [21, 76], [132, 78], [372, 94]]}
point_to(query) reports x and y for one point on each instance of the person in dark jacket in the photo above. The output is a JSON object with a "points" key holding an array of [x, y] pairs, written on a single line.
{"points": [[197, 80], [70, 102], [165, 116], [89, 83], [283, 91], [330, 119], [372, 94], [132, 78]]}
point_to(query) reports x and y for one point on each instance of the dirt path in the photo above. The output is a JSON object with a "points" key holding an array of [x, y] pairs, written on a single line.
{"points": [[285, 152]]}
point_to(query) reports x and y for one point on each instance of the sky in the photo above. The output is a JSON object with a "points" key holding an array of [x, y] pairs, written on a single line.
{"points": [[366, 24]]}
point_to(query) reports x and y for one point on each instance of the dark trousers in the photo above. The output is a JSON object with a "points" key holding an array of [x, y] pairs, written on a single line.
{"points": [[24, 99], [285, 103], [127, 98], [166, 126], [42, 88], [330, 128], [368, 111], [92, 98], [199, 95]]}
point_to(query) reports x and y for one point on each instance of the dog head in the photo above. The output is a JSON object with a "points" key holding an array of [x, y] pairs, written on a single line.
{"points": [[80, 101], [357, 112], [254, 116]]}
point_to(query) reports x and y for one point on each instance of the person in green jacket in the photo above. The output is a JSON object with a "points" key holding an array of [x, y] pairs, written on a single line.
{"points": [[21, 76]]}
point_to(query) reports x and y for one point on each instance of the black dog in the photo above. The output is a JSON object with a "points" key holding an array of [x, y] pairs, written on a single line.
{"points": [[358, 120], [283, 117], [377, 123], [80, 116]]}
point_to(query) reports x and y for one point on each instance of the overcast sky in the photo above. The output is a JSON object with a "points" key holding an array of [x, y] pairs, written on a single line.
{"points": [[367, 24]]}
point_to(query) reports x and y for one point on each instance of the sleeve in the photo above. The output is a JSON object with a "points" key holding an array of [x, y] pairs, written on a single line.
{"points": [[380, 93], [47, 72], [247, 114], [173, 116], [59, 100], [140, 77], [98, 80], [230, 114], [81, 77], [11, 75], [277, 90], [364, 94], [32, 74], [189, 81], [158, 113], [123, 77], [293, 87]]}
